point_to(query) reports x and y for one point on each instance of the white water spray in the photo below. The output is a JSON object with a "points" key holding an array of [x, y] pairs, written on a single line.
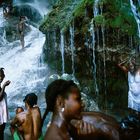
{"points": [[72, 47], [62, 45], [22, 67]]}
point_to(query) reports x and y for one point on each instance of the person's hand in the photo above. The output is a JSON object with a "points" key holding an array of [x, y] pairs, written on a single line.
{"points": [[83, 128], [6, 83]]}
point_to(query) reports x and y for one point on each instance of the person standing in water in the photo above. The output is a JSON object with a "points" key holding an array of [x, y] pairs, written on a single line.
{"points": [[5, 11], [3, 104], [21, 30], [133, 71]]}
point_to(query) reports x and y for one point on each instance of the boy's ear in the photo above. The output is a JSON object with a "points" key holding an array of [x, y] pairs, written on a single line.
{"points": [[60, 102]]}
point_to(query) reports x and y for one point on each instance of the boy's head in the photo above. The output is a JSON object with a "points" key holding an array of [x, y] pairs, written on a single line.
{"points": [[30, 99], [19, 110]]}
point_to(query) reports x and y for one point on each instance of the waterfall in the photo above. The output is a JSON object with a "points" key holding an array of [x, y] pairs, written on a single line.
{"points": [[62, 45], [23, 67], [72, 48], [40, 6], [136, 16], [95, 13], [95, 8], [94, 63], [3, 40], [104, 57]]}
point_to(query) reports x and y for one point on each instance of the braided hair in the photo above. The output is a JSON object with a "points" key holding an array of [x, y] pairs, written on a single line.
{"points": [[57, 88]]}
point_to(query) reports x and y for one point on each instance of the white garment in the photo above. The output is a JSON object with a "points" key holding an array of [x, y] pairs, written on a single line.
{"points": [[134, 91], [3, 110]]}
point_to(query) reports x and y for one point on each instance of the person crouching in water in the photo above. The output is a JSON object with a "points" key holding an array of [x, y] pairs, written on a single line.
{"points": [[29, 121], [3, 104]]}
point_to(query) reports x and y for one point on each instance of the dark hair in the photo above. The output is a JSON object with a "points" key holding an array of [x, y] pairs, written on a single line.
{"points": [[31, 99], [19, 108], [2, 72], [21, 17], [57, 88]]}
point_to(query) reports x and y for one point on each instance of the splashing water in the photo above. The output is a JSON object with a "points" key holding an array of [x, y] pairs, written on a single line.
{"points": [[136, 16], [22, 66]]}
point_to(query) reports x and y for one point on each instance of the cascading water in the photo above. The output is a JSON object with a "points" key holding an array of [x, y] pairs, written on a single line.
{"points": [[62, 52], [72, 48], [104, 59], [136, 16], [41, 7], [23, 67], [95, 13]]}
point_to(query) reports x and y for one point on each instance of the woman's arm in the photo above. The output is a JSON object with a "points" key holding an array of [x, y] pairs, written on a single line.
{"points": [[122, 66], [3, 89]]}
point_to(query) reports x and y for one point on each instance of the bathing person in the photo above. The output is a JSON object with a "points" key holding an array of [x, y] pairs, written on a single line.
{"points": [[21, 30], [3, 104], [4, 6], [133, 71], [64, 101], [29, 121], [68, 122]]}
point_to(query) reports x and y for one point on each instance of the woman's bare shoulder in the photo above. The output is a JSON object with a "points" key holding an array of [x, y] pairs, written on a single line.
{"points": [[52, 133]]}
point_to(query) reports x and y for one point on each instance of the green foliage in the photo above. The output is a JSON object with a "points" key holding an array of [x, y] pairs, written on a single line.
{"points": [[119, 15], [99, 20], [80, 9], [116, 14], [60, 17]]}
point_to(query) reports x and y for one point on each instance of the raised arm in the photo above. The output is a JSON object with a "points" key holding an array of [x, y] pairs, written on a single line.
{"points": [[122, 66], [3, 89]]}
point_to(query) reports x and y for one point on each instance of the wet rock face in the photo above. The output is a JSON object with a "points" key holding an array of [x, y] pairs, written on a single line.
{"points": [[115, 40]]}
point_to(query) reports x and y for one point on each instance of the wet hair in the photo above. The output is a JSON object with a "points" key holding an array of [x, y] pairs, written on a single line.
{"points": [[31, 99], [2, 72], [57, 88]]}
